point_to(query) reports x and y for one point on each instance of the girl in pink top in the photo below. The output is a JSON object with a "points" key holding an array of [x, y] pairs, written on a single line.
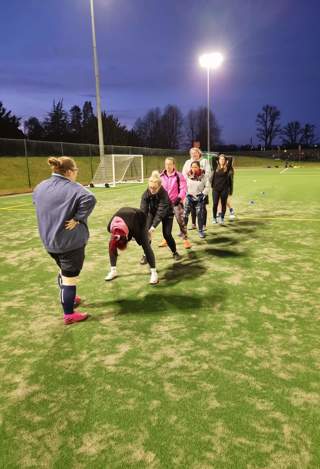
{"points": [[176, 186]]}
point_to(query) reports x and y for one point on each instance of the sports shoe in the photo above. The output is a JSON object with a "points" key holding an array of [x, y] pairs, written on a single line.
{"points": [[186, 244], [232, 215], [77, 301], [202, 234], [177, 256], [143, 260], [154, 278], [163, 244], [221, 221], [111, 275], [214, 221], [74, 317], [193, 227]]}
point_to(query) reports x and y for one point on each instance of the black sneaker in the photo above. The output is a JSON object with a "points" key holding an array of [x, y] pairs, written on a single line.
{"points": [[143, 260], [177, 256]]}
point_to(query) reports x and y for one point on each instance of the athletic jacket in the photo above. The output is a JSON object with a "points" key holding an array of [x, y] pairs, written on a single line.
{"points": [[158, 205], [198, 184], [175, 184], [135, 220], [57, 200], [222, 180]]}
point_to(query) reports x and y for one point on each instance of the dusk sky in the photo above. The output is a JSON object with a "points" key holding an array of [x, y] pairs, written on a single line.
{"points": [[148, 53]]}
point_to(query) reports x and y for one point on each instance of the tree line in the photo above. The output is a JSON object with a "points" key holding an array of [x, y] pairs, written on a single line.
{"points": [[167, 128], [292, 134]]}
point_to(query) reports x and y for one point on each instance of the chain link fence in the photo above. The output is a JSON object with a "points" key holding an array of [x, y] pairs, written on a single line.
{"points": [[23, 163]]}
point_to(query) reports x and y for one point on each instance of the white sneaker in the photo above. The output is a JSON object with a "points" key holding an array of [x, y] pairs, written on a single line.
{"points": [[111, 275], [154, 278]]}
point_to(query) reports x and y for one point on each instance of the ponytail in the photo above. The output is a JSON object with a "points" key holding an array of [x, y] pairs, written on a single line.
{"points": [[62, 164]]}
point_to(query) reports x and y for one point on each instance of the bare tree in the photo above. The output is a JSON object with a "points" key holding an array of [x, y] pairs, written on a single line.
{"points": [[171, 125], [148, 128], [197, 127], [268, 125], [308, 136], [291, 134]]}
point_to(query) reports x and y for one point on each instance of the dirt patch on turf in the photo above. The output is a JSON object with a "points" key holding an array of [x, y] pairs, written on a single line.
{"points": [[114, 358], [301, 398]]}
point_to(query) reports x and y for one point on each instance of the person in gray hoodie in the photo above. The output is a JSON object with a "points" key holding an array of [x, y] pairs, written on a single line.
{"points": [[198, 185], [63, 207]]}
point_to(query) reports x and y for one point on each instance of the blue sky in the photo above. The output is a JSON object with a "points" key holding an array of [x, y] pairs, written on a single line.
{"points": [[148, 53]]}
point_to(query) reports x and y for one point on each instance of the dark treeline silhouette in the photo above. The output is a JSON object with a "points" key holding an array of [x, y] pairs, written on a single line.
{"points": [[291, 135], [9, 124], [79, 125], [166, 128]]}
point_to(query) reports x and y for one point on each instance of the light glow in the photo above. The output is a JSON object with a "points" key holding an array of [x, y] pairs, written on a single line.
{"points": [[211, 61]]}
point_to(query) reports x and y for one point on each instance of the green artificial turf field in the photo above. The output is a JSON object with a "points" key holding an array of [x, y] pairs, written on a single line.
{"points": [[216, 367]]}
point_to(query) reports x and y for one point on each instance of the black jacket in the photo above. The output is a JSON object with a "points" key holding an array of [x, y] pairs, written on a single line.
{"points": [[135, 220], [222, 180], [157, 205]]}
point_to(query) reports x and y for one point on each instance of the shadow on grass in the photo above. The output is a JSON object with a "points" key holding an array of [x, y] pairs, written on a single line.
{"points": [[222, 240], [245, 226], [159, 304], [190, 268], [224, 253]]}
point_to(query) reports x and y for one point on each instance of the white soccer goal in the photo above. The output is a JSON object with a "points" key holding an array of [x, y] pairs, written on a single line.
{"points": [[116, 169]]}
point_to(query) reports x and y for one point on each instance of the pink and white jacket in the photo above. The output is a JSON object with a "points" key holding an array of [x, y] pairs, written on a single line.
{"points": [[175, 184]]}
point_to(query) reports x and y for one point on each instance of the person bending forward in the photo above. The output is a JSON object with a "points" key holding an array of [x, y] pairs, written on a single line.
{"points": [[128, 223]]}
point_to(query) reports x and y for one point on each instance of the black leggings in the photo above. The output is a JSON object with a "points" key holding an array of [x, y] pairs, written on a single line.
{"points": [[223, 196], [167, 223], [147, 249]]}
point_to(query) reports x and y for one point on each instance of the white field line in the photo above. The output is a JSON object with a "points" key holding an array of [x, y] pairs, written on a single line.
{"points": [[284, 170]]}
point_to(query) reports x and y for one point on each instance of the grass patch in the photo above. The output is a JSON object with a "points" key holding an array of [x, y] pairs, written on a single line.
{"points": [[215, 367]]}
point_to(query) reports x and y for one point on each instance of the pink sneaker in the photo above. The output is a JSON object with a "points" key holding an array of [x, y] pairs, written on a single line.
{"points": [[74, 317], [77, 301]]}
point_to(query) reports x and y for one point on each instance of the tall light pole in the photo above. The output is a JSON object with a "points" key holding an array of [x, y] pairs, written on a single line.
{"points": [[96, 72], [210, 62]]}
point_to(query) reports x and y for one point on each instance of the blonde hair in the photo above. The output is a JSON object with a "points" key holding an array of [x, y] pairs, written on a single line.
{"points": [[61, 164], [155, 178], [195, 150]]}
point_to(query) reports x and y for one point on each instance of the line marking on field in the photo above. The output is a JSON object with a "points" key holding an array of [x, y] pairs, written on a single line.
{"points": [[284, 170], [22, 204], [278, 218]]}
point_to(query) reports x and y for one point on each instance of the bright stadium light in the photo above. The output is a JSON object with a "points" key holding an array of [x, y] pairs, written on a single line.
{"points": [[96, 72], [210, 61]]}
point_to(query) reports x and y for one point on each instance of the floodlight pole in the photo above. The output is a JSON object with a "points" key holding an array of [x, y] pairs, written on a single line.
{"points": [[96, 72], [208, 110]]}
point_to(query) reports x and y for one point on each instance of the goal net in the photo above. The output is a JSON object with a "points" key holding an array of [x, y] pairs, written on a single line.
{"points": [[116, 169]]}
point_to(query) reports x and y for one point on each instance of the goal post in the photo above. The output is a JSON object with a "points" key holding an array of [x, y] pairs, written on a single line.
{"points": [[116, 169]]}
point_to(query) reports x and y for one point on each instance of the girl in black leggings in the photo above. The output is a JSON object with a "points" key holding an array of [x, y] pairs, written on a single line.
{"points": [[128, 223], [156, 205], [221, 181]]}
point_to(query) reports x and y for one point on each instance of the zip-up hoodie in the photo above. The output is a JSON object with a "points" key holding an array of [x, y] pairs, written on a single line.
{"points": [[175, 184], [57, 200]]}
